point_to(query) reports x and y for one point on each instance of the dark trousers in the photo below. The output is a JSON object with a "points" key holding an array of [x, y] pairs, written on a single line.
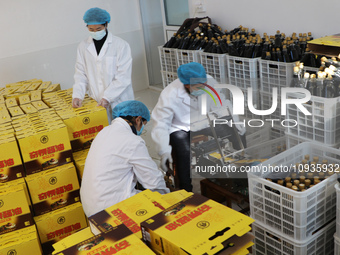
{"points": [[180, 142]]}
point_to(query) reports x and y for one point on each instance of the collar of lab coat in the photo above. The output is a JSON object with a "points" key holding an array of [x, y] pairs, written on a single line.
{"points": [[92, 48], [122, 122], [183, 94]]}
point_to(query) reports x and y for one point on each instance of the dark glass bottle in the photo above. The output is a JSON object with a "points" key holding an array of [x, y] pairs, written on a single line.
{"points": [[310, 35], [257, 49], [223, 45], [171, 42], [277, 40], [209, 46], [265, 48], [195, 43], [273, 55], [232, 50], [294, 56], [268, 56], [252, 32], [177, 42], [285, 55], [279, 55], [295, 83]]}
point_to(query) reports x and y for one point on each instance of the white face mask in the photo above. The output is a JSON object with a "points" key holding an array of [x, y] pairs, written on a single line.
{"points": [[98, 35]]}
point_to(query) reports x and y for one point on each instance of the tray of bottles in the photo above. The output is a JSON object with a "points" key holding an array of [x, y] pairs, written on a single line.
{"points": [[323, 125], [168, 77], [215, 65], [187, 56], [243, 72], [290, 193], [275, 74], [268, 241], [168, 59]]}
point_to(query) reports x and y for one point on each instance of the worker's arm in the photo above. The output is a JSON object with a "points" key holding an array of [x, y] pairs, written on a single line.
{"points": [[123, 74], [146, 170]]}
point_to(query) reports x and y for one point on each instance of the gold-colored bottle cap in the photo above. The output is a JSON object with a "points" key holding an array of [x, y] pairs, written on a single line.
{"points": [[316, 159], [307, 182], [294, 187], [301, 186], [289, 185], [296, 182], [307, 157], [310, 175], [280, 182], [302, 179], [324, 161], [322, 175]]}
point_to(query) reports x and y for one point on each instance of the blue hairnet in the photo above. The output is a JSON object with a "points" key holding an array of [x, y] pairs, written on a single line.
{"points": [[131, 108], [192, 73], [96, 16]]}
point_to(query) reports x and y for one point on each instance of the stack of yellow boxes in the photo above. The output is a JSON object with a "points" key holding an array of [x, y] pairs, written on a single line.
{"points": [[79, 158], [83, 123]]}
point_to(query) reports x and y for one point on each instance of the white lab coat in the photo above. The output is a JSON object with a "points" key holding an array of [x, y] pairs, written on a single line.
{"points": [[107, 75], [177, 110], [116, 160]]}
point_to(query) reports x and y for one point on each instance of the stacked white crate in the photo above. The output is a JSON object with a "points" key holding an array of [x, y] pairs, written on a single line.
{"points": [[169, 65], [337, 233], [244, 73], [215, 65], [291, 222]]}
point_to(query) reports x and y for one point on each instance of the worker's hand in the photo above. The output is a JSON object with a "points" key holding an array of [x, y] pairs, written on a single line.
{"points": [[103, 102], [76, 102], [165, 157]]}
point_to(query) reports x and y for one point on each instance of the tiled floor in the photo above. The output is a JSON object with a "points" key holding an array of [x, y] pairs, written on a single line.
{"points": [[150, 97]]}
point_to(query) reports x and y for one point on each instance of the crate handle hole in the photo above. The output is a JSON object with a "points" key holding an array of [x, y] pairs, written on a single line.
{"points": [[239, 62], [273, 66], [185, 54]]}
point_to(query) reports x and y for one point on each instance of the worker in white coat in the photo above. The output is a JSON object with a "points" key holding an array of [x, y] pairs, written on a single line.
{"points": [[103, 66], [176, 113], [117, 159]]}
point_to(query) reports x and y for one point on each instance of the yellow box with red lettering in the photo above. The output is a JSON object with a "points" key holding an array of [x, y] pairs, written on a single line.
{"points": [[45, 150], [53, 189], [21, 243], [130, 212], [84, 126], [11, 166], [118, 240], [56, 225], [15, 213], [72, 240], [213, 225]]}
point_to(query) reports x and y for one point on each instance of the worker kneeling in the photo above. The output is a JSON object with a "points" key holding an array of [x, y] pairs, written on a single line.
{"points": [[117, 159]]}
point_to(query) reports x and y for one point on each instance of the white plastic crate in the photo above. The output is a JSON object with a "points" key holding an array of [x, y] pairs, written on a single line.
{"points": [[337, 188], [243, 72], [215, 65], [168, 77], [277, 132], [187, 56], [336, 245], [322, 126], [293, 214], [311, 70], [275, 74], [168, 59], [257, 135], [266, 104], [270, 242], [293, 140]]}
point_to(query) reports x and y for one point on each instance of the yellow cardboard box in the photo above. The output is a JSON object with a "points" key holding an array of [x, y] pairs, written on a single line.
{"points": [[10, 102], [40, 105], [24, 99], [79, 158], [171, 231], [34, 86], [28, 108], [45, 149], [36, 95], [176, 196], [45, 85], [52, 88], [11, 166], [53, 189], [23, 88], [15, 111], [119, 240], [14, 210], [130, 212], [25, 243], [2, 99], [18, 182], [56, 225], [5, 117], [72, 240]]}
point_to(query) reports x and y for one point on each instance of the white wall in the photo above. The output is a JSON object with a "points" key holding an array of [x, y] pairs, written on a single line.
{"points": [[300, 16], [39, 38]]}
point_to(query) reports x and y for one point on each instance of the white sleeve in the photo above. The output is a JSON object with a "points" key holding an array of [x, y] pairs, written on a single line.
{"points": [[80, 79], [162, 116], [123, 75], [146, 170]]}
